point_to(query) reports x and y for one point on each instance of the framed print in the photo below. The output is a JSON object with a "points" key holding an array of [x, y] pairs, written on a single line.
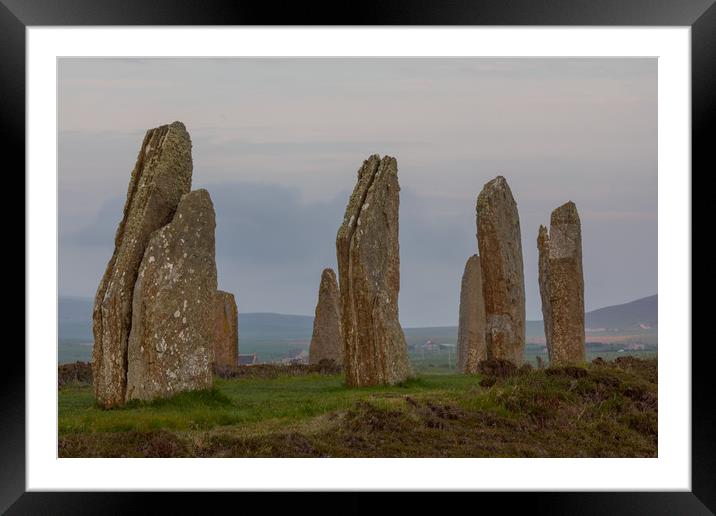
{"points": [[434, 253]]}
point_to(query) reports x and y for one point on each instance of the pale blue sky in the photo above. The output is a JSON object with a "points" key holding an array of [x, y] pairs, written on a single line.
{"points": [[277, 142]]}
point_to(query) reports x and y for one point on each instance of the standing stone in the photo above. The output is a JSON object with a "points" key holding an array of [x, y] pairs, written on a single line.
{"points": [[561, 282], [172, 339], [161, 175], [375, 351], [471, 346], [503, 286], [327, 338], [543, 280], [226, 330]]}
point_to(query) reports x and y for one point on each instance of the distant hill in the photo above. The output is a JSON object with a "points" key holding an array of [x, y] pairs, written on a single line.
{"points": [[268, 333], [629, 316], [75, 323]]}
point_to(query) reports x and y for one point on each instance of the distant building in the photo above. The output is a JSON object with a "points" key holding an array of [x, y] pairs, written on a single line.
{"points": [[295, 356], [635, 346], [428, 345], [247, 359]]}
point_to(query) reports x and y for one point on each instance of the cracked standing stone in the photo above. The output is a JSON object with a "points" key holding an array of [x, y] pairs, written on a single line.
{"points": [[561, 282], [161, 175], [368, 253], [171, 345]]}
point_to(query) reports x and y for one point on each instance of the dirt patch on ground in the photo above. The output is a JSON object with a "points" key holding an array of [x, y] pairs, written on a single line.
{"points": [[157, 444], [496, 368], [569, 371]]}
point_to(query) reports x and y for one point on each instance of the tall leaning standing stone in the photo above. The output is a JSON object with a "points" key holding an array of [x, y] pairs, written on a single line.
{"points": [[367, 248], [561, 282], [327, 338], [226, 330], [503, 286], [161, 175], [171, 345], [471, 346]]}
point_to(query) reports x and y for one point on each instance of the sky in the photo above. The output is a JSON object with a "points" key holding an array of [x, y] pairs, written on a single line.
{"points": [[278, 141]]}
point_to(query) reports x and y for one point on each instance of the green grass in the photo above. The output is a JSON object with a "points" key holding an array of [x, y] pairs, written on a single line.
{"points": [[607, 410], [286, 399]]}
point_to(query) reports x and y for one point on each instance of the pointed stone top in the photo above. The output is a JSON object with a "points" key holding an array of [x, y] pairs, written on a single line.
{"points": [[224, 293], [376, 157], [328, 274], [543, 235], [494, 189], [371, 165], [499, 180], [175, 126], [498, 183], [565, 214], [199, 195], [367, 174], [194, 206]]}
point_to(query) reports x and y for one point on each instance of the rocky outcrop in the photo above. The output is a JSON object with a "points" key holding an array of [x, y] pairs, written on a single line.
{"points": [[561, 282], [172, 333], [500, 245], [327, 338], [369, 271], [161, 175], [226, 330], [471, 346]]}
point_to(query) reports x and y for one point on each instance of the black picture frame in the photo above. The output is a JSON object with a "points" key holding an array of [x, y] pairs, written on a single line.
{"points": [[700, 15]]}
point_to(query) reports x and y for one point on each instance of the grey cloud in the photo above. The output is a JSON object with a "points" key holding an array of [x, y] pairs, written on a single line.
{"points": [[277, 143]]}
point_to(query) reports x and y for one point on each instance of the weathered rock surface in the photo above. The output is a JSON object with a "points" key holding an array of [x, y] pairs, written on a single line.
{"points": [[503, 288], [471, 345], [327, 338], [226, 330], [561, 283], [543, 280], [367, 248], [161, 175], [172, 339]]}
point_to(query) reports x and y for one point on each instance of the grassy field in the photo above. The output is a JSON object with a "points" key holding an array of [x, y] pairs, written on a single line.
{"points": [[599, 411]]}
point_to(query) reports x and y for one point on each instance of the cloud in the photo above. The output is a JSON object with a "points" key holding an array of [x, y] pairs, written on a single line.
{"points": [[277, 142]]}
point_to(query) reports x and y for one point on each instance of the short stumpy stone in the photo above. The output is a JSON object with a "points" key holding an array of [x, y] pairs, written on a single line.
{"points": [[327, 338], [172, 339], [367, 249], [503, 287], [471, 346], [561, 282], [161, 175], [226, 330]]}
